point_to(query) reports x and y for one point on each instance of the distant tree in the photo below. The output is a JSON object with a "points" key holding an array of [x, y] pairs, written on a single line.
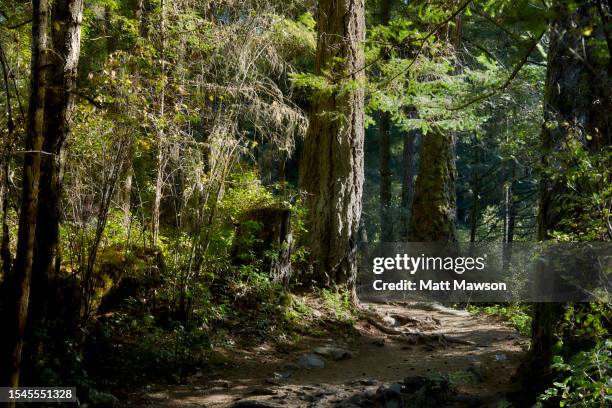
{"points": [[408, 173], [384, 131], [434, 206]]}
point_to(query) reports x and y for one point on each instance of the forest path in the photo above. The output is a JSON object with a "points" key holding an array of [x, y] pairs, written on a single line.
{"points": [[477, 353]]}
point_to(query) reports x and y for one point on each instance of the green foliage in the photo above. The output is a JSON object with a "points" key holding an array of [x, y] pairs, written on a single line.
{"points": [[297, 38], [583, 360], [584, 212], [517, 315], [584, 381], [587, 321], [339, 303], [315, 84], [246, 192]]}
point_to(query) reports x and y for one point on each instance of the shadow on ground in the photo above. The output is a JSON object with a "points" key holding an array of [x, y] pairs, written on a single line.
{"points": [[379, 370]]}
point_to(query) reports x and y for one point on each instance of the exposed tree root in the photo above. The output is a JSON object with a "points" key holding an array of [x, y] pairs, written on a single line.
{"points": [[383, 328], [404, 320], [437, 339], [414, 337]]}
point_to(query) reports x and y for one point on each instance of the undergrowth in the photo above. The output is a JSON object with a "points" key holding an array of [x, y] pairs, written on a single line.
{"points": [[516, 314]]}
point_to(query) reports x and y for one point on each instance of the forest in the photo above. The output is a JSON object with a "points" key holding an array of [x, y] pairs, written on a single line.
{"points": [[189, 190]]}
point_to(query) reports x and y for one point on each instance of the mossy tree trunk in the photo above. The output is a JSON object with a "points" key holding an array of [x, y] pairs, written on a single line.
{"points": [[331, 171], [434, 205], [577, 106]]}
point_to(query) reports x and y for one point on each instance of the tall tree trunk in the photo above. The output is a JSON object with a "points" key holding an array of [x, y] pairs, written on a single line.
{"points": [[5, 251], [408, 167], [509, 208], [577, 60], [511, 212], [509, 217], [61, 76], [331, 172], [476, 189], [384, 131], [161, 160], [142, 11], [17, 311], [126, 190], [434, 205], [386, 213], [509, 187], [434, 209]]}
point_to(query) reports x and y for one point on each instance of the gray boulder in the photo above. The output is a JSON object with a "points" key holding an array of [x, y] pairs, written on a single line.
{"points": [[310, 361], [333, 352]]}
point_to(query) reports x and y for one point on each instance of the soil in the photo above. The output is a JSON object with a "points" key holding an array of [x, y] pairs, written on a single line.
{"points": [[474, 355]]}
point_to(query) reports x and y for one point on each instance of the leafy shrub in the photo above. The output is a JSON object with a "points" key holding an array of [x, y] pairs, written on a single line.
{"points": [[515, 314], [584, 381]]}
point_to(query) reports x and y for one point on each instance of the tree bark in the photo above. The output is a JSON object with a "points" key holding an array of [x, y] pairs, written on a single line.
{"points": [[386, 213], [5, 251], [142, 11], [331, 172], [126, 191], [17, 311], [434, 205], [509, 217], [61, 75], [509, 208], [578, 106], [161, 139], [434, 209], [408, 167], [476, 189], [384, 131], [264, 238]]}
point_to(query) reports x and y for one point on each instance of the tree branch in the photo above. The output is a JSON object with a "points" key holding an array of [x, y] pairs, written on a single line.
{"points": [[496, 23], [513, 75], [427, 37], [605, 22], [16, 26], [89, 99], [483, 49]]}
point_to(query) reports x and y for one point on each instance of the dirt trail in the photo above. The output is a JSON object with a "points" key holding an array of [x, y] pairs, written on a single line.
{"points": [[479, 360]]}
